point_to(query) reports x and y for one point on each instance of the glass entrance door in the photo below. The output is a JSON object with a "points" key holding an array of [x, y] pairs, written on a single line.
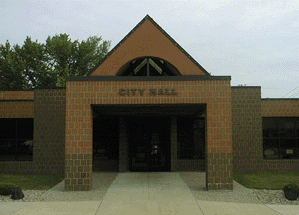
{"points": [[149, 140]]}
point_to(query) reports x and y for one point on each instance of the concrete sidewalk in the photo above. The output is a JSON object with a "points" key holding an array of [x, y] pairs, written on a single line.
{"points": [[145, 193], [94, 207]]}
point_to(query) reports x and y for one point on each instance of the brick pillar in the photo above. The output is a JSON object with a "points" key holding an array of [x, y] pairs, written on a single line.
{"points": [[219, 171], [173, 140], [123, 146], [78, 146], [219, 153]]}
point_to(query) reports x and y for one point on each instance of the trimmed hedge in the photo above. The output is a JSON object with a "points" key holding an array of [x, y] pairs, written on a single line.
{"points": [[291, 191], [5, 188]]}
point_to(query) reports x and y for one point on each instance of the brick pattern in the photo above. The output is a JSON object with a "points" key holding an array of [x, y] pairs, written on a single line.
{"points": [[105, 165], [247, 128], [49, 130], [16, 109], [280, 107], [78, 172], [220, 170], [248, 110], [19, 167], [48, 110], [81, 94], [191, 165], [16, 95]]}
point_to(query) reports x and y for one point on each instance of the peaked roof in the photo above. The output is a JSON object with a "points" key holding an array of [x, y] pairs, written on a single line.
{"points": [[147, 38]]}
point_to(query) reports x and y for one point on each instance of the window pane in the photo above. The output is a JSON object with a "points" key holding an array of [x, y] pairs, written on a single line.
{"points": [[199, 139], [7, 150], [270, 129], [297, 128], [24, 149], [271, 149], [287, 127], [25, 128], [288, 148], [106, 138], [185, 138], [191, 138], [7, 128]]}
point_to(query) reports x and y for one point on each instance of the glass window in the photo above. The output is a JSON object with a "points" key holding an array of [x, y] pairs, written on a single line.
{"points": [[16, 139], [7, 128], [106, 138], [280, 139], [191, 138]]}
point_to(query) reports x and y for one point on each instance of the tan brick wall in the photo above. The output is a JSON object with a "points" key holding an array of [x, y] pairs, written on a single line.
{"points": [[216, 94], [247, 128], [248, 109], [191, 165], [48, 111], [280, 107], [18, 109], [13, 104], [49, 130], [16, 95]]}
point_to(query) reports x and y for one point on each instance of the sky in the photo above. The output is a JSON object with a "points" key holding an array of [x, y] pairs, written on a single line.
{"points": [[254, 42]]}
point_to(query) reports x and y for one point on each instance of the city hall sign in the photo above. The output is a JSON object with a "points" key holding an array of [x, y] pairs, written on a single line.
{"points": [[152, 91]]}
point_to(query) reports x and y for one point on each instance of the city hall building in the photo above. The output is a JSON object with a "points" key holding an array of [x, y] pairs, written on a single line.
{"points": [[147, 106]]}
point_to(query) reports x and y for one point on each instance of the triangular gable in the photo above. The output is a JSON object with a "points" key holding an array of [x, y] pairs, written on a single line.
{"points": [[147, 39]]}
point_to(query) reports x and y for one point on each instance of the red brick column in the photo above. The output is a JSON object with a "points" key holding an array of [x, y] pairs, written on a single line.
{"points": [[219, 151], [78, 143]]}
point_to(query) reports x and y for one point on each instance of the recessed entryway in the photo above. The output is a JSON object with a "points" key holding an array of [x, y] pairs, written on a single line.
{"points": [[149, 143]]}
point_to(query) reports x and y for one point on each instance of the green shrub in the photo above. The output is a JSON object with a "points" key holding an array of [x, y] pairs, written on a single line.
{"points": [[5, 188], [291, 191]]}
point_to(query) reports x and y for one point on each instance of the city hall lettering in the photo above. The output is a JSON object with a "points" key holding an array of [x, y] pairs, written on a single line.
{"points": [[152, 91]]}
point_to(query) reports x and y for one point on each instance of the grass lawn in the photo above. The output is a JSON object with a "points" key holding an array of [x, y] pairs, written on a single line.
{"points": [[32, 182], [270, 181]]}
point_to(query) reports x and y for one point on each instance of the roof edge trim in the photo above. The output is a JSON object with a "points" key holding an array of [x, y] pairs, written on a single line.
{"points": [[150, 78]]}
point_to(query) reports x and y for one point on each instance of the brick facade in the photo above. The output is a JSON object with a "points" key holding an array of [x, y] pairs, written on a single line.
{"points": [[216, 94], [47, 107], [16, 104], [247, 128], [248, 110], [17, 95], [49, 127], [63, 118], [280, 107]]}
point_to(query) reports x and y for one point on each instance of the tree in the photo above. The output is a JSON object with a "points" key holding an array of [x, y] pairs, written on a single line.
{"points": [[11, 68], [36, 65]]}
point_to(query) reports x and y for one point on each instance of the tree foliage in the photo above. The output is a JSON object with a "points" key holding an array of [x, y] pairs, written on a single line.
{"points": [[38, 65]]}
